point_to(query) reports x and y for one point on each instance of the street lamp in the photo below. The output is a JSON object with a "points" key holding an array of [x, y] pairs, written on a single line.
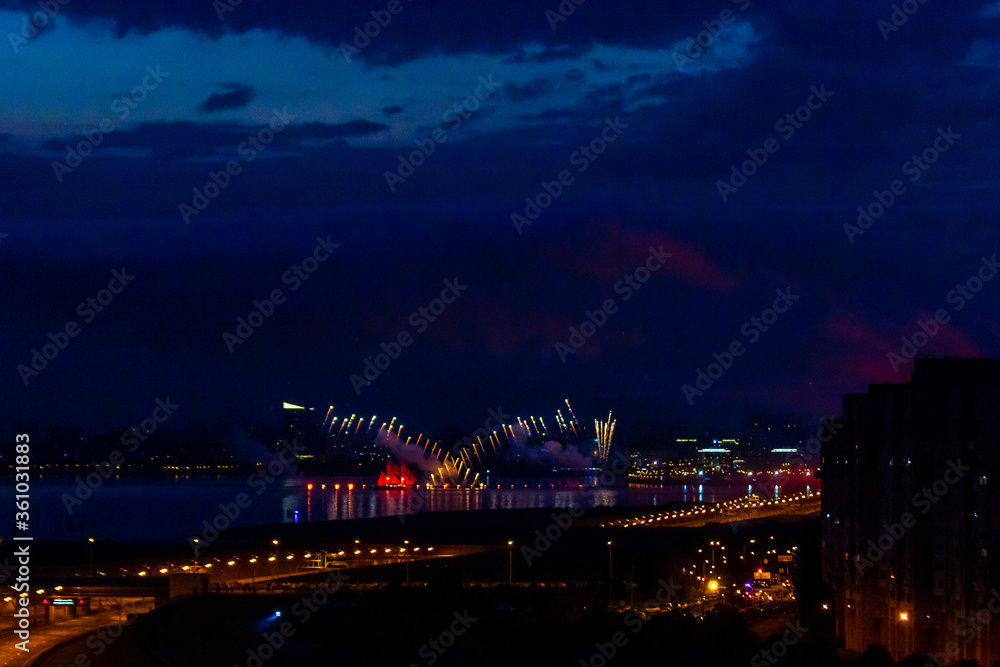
{"points": [[610, 575], [510, 562], [277, 554], [631, 589], [745, 548], [91, 540]]}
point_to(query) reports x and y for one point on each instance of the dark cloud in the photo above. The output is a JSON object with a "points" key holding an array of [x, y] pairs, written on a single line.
{"points": [[656, 183], [463, 120], [353, 128], [238, 96], [833, 32], [422, 29], [185, 139], [548, 54], [535, 88], [550, 115]]}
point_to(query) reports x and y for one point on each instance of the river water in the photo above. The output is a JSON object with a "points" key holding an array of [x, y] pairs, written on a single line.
{"points": [[170, 509]]}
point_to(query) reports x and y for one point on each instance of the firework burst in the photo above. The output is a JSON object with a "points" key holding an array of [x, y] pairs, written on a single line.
{"points": [[605, 431]]}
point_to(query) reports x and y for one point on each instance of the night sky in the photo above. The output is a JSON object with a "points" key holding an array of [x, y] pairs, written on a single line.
{"points": [[115, 116]]}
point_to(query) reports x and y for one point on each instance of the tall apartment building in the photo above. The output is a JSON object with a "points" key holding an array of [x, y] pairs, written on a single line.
{"points": [[911, 513]]}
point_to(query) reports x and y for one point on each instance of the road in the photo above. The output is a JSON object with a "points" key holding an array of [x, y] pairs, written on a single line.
{"points": [[727, 512], [44, 637]]}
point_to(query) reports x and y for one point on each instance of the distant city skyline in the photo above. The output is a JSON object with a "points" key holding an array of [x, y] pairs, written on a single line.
{"points": [[751, 430]]}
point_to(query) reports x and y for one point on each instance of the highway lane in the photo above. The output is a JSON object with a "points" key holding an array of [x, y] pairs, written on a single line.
{"points": [[733, 511], [48, 635]]}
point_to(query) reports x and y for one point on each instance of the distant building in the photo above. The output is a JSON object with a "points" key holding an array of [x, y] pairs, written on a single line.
{"points": [[301, 426], [716, 455], [656, 440], [910, 519], [771, 442], [760, 433]]}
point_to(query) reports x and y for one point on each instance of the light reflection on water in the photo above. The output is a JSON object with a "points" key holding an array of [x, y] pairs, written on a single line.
{"points": [[176, 508], [370, 502]]}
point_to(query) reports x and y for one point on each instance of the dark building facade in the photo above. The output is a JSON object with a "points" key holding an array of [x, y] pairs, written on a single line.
{"points": [[760, 432], [911, 513], [301, 426]]}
